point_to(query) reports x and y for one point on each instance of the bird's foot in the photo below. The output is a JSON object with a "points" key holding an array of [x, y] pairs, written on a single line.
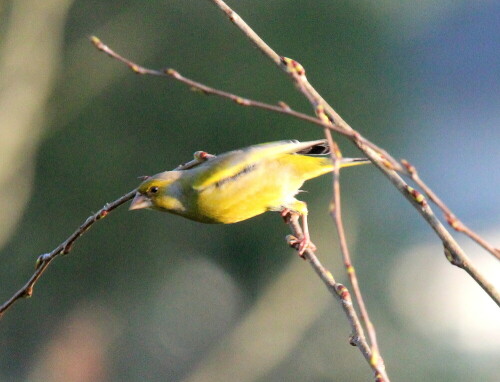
{"points": [[304, 243], [301, 245]]}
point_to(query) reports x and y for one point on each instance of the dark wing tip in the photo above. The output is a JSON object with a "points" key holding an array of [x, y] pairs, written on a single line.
{"points": [[320, 148]]}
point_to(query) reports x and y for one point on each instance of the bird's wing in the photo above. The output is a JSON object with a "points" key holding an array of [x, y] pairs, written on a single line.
{"points": [[234, 163]]}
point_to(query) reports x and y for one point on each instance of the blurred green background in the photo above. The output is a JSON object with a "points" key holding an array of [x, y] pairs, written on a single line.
{"points": [[150, 296]]}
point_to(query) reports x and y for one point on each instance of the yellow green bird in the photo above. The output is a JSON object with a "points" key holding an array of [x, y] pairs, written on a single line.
{"points": [[241, 184]]}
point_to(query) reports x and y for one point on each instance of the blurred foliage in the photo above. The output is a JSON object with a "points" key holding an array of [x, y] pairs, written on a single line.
{"points": [[152, 296]]}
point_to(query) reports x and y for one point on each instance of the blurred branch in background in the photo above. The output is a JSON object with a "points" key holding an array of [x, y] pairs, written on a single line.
{"points": [[268, 332], [79, 349], [79, 72], [28, 67]]}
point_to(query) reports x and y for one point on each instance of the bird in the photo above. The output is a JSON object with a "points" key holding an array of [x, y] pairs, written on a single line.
{"points": [[240, 184]]}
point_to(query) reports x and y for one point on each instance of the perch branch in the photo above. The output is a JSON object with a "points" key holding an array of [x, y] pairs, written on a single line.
{"points": [[281, 108], [325, 123], [341, 293], [327, 119]]}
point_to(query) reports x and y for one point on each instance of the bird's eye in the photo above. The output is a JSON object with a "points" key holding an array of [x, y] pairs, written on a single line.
{"points": [[153, 190]]}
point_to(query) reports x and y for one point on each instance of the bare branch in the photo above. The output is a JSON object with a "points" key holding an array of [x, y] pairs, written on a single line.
{"points": [[329, 120], [450, 217], [454, 252], [281, 108], [341, 293], [323, 121], [43, 261], [336, 214]]}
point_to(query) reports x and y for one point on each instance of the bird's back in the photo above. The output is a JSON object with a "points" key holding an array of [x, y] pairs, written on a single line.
{"points": [[267, 184]]}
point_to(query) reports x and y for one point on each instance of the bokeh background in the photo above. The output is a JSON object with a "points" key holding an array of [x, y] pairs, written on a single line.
{"points": [[150, 296]]}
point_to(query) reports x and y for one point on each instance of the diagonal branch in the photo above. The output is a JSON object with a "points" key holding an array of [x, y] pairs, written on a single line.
{"points": [[450, 217], [281, 108], [336, 214], [43, 261], [342, 294], [329, 120], [327, 123], [64, 248], [373, 356], [454, 253]]}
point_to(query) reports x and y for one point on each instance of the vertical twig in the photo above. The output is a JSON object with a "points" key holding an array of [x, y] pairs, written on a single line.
{"points": [[342, 294], [336, 214]]}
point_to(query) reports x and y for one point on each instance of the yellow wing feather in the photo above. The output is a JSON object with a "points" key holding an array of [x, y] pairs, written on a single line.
{"points": [[234, 162]]}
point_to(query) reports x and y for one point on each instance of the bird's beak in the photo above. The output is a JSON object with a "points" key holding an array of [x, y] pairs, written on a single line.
{"points": [[140, 201]]}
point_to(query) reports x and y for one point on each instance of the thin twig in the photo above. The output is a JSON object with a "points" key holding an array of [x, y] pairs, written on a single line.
{"points": [[453, 251], [450, 217], [281, 108], [387, 160], [64, 248], [342, 294], [384, 161], [336, 214]]}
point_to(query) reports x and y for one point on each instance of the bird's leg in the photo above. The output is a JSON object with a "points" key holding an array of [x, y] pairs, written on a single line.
{"points": [[286, 214], [299, 210], [306, 242]]}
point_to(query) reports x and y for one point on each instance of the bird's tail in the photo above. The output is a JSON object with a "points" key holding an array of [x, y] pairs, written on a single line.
{"points": [[348, 162], [313, 166]]}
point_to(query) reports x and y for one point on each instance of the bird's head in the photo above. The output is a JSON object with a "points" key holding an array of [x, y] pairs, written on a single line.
{"points": [[157, 192]]}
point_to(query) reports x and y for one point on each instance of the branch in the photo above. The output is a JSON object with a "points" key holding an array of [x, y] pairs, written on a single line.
{"points": [[328, 126], [336, 214], [329, 120], [384, 161], [43, 261], [453, 252], [450, 217], [281, 108], [341, 293]]}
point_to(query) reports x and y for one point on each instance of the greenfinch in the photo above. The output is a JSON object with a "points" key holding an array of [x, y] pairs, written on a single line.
{"points": [[241, 184]]}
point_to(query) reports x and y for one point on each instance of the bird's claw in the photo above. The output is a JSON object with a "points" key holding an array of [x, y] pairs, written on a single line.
{"points": [[301, 245]]}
